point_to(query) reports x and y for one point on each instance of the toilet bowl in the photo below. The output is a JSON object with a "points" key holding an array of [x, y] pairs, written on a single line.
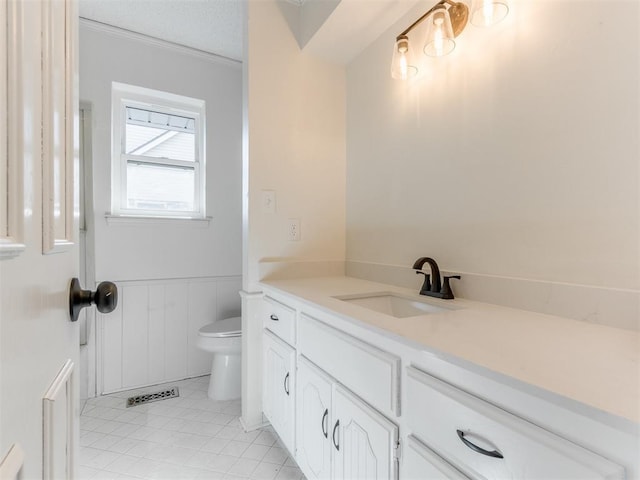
{"points": [[222, 338]]}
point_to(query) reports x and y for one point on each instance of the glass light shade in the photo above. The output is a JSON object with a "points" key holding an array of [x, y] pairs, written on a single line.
{"points": [[440, 40], [485, 13], [401, 67]]}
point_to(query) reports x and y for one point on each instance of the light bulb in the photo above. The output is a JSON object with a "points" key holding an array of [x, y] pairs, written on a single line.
{"points": [[485, 13], [440, 40], [401, 68], [404, 66]]}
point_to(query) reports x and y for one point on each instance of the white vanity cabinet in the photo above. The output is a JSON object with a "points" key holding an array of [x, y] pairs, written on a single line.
{"points": [[339, 436], [279, 368], [280, 319], [278, 387], [332, 391], [420, 463], [315, 419], [342, 434], [365, 442], [485, 441], [368, 371]]}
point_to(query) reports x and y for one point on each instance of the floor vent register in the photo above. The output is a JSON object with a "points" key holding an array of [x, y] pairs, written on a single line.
{"points": [[153, 397]]}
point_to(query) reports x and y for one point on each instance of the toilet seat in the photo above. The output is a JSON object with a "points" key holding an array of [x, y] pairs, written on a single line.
{"points": [[229, 327]]}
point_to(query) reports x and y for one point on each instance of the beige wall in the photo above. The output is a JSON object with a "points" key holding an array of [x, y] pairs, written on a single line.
{"points": [[295, 138], [515, 156], [294, 144]]}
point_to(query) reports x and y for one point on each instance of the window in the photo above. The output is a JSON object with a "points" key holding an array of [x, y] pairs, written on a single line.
{"points": [[158, 154]]}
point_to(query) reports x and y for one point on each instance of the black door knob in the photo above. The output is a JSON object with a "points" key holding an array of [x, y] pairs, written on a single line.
{"points": [[105, 297]]}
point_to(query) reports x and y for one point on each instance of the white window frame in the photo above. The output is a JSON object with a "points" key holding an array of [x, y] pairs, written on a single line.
{"points": [[124, 96]]}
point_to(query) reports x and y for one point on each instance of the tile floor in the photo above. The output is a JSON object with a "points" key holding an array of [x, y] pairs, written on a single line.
{"points": [[190, 437]]}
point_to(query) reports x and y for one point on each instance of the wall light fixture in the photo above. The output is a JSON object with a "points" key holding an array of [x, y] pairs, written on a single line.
{"points": [[445, 21]]}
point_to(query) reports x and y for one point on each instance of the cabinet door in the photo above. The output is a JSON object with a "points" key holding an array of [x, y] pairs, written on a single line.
{"points": [[314, 420], [364, 441], [279, 387], [422, 463]]}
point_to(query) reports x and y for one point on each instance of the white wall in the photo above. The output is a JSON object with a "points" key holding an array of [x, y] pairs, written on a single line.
{"points": [[176, 250], [294, 145], [173, 276], [515, 157], [151, 336]]}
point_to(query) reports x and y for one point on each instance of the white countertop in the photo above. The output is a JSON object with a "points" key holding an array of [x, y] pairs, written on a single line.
{"points": [[592, 364]]}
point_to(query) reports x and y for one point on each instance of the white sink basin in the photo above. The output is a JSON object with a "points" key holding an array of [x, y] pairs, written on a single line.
{"points": [[392, 304]]}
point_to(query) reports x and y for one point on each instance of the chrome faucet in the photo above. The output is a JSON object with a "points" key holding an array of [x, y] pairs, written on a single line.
{"points": [[434, 288]]}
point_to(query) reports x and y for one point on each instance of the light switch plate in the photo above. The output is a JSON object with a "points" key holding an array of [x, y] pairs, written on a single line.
{"points": [[268, 201]]}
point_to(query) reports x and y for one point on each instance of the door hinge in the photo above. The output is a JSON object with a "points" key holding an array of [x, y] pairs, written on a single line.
{"points": [[397, 451]]}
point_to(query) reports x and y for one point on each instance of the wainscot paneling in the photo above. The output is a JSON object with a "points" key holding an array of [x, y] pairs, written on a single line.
{"points": [[151, 337]]}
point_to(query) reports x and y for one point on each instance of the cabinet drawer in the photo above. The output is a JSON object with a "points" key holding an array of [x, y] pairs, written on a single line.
{"points": [[371, 373], [466, 431], [421, 462], [280, 319]]}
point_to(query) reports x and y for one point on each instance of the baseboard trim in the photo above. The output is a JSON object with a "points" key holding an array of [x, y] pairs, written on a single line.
{"points": [[251, 427]]}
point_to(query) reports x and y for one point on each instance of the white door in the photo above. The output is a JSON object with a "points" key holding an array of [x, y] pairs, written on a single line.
{"points": [[39, 256], [279, 387], [364, 441], [314, 419]]}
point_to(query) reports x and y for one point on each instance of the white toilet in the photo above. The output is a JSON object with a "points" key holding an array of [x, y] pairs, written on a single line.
{"points": [[222, 338]]}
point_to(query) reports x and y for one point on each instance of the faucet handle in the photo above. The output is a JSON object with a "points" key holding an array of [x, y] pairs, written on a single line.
{"points": [[426, 286], [446, 291]]}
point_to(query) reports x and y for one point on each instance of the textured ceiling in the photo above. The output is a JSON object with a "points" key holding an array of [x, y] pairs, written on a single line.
{"points": [[214, 26]]}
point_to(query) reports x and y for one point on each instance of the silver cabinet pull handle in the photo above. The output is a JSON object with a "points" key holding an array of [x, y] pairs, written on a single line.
{"points": [[476, 448], [286, 383], [274, 318], [333, 435]]}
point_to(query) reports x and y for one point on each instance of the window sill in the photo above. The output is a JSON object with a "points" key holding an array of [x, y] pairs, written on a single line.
{"points": [[115, 220]]}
